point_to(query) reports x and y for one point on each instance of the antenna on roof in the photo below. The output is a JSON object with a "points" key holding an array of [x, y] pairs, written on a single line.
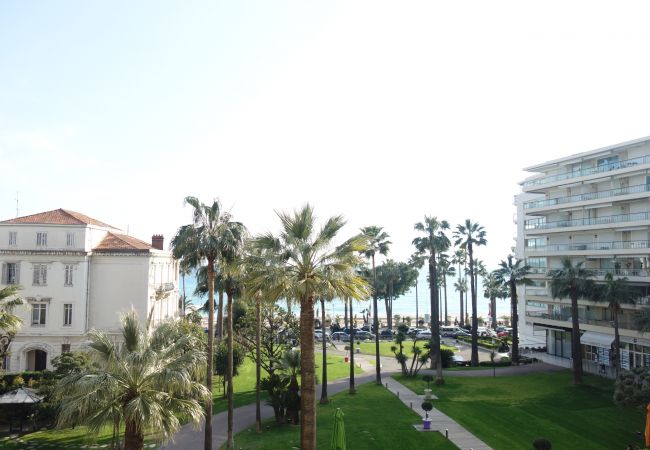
{"points": [[16, 203], [127, 230]]}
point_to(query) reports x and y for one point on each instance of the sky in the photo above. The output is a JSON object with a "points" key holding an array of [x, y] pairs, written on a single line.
{"points": [[380, 111]]}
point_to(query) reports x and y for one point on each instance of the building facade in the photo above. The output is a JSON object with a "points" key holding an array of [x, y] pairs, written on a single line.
{"points": [[592, 207], [77, 274]]}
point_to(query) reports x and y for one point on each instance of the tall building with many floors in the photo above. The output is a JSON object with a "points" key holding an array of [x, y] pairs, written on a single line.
{"points": [[77, 273], [592, 207]]}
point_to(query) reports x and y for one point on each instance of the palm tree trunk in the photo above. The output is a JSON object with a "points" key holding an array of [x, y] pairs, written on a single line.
{"points": [[345, 320], [207, 441], [444, 281], [515, 322], [474, 361], [219, 315], [352, 389], [229, 372], [617, 343], [493, 307], [375, 323], [462, 310], [308, 384], [575, 339], [258, 363], [416, 305], [436, 357], [133, 438], [184, 296], [323, 393]]}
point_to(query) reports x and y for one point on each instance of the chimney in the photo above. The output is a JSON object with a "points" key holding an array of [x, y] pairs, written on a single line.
{"points": [[158, 241]]}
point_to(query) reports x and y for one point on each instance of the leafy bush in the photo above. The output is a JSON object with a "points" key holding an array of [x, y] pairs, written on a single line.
{"points": [[542, 444], [503, 363], [446, 355]]}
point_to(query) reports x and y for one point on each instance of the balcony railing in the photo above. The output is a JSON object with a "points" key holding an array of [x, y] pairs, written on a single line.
{"points": [[599, 272], [588, 171], [541, 224], [615, 245], [623, 322], [538, 291], [588, 196]]}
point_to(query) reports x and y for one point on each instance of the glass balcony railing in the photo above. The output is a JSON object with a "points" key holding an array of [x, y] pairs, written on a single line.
{"points": [[541, 224], [616, 245], [588, 196], [623, 322], [598, 272], [588, 171]]}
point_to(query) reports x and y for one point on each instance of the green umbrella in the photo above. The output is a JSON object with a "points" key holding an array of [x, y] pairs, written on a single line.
{"points": [[338, 435]]}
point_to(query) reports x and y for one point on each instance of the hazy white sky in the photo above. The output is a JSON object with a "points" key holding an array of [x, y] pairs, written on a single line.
{"points": [[380, 111]]}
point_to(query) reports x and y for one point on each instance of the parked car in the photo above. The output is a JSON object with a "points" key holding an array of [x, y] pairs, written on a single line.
{"points": [[366, 328], [386, 334], [341, 336], [423, 335], [451, 331], [485, 332], [458, 360], [363, 335], [505, 332]]}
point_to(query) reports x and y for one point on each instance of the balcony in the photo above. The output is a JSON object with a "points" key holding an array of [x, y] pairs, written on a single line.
{"points": [[166, 287], [642, 273], [588, 171], [639, 188], [541, 224], [623, 322], [594, 246]]}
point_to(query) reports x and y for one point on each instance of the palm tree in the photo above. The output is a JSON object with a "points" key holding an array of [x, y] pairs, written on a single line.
{"points": [[147, 382], [323, 393], [493, 289], [304, 267], [616, 292], [416, 262], [434, 242], [210, 237], [572, 281], [509, 275], [377, 242], [460, 258], [468, 236], [352, 388], [9, 322]]}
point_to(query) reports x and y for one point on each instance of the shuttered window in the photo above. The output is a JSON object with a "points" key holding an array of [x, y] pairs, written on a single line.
{"points": [[40, 274], [11, 273]]}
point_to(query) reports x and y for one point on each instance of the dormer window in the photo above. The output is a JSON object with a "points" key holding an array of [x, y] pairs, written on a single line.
{"points": [[41, 239], [13, 238], [69, 242]]}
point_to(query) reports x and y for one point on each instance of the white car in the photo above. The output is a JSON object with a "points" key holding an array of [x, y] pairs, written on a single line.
{"points": [[423, 335]]}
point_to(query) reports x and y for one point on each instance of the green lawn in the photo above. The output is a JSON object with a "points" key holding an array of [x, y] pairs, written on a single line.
{"points": [[73, 439], [244, 383], [368, 347], [374, 419], [509, 412]]}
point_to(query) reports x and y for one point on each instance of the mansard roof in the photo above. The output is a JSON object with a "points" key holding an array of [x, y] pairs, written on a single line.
{"points": [[114, 242], [58, 217]]}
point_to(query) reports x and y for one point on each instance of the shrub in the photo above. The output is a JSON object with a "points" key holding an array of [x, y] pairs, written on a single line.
{"points": [[542, 444], [427, 406], [428, 379], [446, 355], [503, 363]]}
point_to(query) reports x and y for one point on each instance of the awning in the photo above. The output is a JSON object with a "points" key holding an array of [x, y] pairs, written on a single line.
{"points": [[631, 340], [597, 339]]}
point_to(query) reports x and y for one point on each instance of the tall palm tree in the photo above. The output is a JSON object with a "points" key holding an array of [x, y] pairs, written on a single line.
{"points": [[434, 242], [616, 291], [377, 242], [493, 289], [304, 264], [323, 394], [573, 281], [509, 275], [416, 262], [460, 258], [470, 235], [212, 235], [352, 388], [147, 382]]}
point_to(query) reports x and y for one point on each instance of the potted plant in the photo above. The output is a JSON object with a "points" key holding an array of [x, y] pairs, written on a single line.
{"points": [[542, 444], [427, 391], [426, 422], [358, 348], [346, 358]]}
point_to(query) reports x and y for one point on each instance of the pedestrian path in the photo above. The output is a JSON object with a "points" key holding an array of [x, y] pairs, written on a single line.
{"points": [[462, 438]]}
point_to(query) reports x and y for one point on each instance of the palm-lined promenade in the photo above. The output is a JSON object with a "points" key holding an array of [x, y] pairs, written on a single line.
{"points": [[252, 376]]}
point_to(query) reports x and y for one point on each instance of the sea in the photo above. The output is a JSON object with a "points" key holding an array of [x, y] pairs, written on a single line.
{"points": [[405, 306]]}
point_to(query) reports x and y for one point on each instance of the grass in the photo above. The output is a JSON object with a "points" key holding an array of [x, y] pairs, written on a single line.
{"points": [[374, 419], [244, 384], [69, 438], [368, 347], [509, 412]]}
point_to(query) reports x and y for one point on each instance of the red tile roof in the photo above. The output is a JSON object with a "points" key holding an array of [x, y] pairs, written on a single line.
{"points": [[57, 217], [121, 242]]}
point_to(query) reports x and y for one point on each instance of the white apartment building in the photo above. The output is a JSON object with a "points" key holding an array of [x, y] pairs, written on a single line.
{"points": [[77, 273], [593, 207]]}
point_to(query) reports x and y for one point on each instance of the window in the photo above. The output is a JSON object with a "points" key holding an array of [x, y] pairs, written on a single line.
{"points": [[67, 314], [39, 311], [65, 348], [13, 237], [68, 274], [69, 242], [40, 274], [41, 239], [539, 263], [11, 273]]}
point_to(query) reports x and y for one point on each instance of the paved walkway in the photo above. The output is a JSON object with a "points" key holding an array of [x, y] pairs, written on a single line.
{"points": [[189, 438]]}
